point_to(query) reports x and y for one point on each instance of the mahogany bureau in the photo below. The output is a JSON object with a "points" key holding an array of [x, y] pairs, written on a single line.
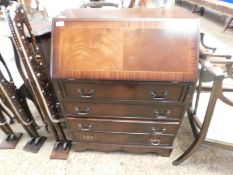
{"points": [[124, 77]]}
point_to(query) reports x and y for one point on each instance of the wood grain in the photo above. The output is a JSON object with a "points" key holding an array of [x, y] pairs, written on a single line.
{"points": [[83, 146], [123, 90], [133, 47], [118, 138], [126, 111]]}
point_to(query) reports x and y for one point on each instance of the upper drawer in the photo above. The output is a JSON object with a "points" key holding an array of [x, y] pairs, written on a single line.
{"points": [[120, 90]]}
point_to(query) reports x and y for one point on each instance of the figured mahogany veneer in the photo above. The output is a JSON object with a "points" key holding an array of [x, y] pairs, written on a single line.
{"points": [[125, 44], [124, 77]]}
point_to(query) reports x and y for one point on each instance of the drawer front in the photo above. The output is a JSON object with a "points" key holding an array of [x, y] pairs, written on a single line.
{"points": [[150, 111], [123, 91], [83, 146], [123, 126], [118, 138]]}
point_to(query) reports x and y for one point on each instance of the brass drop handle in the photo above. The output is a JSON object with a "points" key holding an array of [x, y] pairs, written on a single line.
{"points": [[88, 95], [88, 136], [162, 115], [82, 113], [155, 141], [88, 128], [158, 130], [155, 95]]}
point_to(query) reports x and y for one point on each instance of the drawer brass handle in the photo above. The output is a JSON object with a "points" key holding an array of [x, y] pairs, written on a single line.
{"points": [[88, 128], [82, 113], [162, 115], [88, 136], [158, 130], [88, 95], [155, 141], [155, 95]]}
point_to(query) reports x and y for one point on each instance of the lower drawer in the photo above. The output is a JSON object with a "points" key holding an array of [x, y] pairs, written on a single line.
{"points": [[123, 126], [83, 146], [119, 138]]}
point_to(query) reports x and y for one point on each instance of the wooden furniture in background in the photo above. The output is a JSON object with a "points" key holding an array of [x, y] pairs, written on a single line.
{"points": [[23, 115], [98, 4], [124, 77], [15, 99], [39, 81], [220, 6], [210, 64]]}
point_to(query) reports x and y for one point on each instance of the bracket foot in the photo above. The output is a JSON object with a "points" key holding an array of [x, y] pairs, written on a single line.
{"points": [[10, 141], [35, 144], [61, 150]]}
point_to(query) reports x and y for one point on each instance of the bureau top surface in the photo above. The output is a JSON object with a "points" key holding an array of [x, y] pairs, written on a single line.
{"points": [[125, 44]]}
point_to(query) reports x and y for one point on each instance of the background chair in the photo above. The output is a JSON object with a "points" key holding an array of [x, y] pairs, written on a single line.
{"points": [[219, 68]]}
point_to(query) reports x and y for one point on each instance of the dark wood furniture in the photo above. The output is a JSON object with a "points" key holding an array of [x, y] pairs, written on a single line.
{"points": [[220, 6], [210, 63], [12, 138], [98, 4], [124, 77], [15, 99], [199, 128], [38, 80]]}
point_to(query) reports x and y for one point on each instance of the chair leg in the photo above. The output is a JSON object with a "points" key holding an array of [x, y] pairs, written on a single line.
{"points": [[228, 23], [192, 123], [216, 90], [191, 150], [201, 10]]}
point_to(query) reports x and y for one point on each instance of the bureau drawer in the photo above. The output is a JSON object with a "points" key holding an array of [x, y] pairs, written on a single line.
{"points": [[123, 126], [119, 138], [142, 110], [160, 150], [114, 90]]}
